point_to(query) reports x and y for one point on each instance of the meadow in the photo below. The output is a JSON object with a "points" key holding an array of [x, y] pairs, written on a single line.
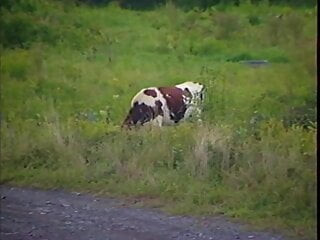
{"points": [[69, 71]]}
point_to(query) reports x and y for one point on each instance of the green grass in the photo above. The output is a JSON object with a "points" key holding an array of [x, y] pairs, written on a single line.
{"points": [[67, 78]]}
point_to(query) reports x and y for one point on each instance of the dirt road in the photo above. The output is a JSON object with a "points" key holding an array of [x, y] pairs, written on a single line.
{"points": [[57, 215]]}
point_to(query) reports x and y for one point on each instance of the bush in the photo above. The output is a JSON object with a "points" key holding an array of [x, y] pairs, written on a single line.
{"points": [[17, 32], [29, 6], [21, 31], [141, 4], [254, 20]]}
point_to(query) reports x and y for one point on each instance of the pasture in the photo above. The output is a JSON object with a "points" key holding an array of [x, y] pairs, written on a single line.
{"points": [[69, 72]]}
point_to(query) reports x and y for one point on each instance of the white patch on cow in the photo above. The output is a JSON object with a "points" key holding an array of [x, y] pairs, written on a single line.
{"points": [[165, 120], [193, 104], [158, 121], [194, 88], [192, 111], [141, 97]]}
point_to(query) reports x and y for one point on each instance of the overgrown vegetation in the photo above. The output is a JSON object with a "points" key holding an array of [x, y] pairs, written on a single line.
{"points": [[69, 71]]}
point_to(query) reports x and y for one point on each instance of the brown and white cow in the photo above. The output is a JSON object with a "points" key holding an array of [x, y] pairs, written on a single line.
{"points": [[165, 105]]}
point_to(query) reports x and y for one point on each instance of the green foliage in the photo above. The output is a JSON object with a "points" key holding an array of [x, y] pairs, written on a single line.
{"points": [[68, 73], [19, 5], [22, 29], [254, 20]]}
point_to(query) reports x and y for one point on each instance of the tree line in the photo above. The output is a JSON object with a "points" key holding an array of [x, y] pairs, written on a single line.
{"points": [[200, 4]]}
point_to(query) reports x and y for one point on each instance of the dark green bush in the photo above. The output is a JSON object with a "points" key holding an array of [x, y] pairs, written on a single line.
{"points": [[189, 4], [17, 32], [240, 57], [201, 4], [254, 20], [141, 4], [19, 5], [297, 3], [22, 30]]}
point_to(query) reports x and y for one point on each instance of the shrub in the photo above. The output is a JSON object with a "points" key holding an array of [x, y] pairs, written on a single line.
{"points": [[254, 20], [21, 31], [19, 5], [17, 32], [140, 4]]}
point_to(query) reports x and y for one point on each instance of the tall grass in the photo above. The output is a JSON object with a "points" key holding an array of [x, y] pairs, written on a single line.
{"points": [[68, 77], [199, 169]]}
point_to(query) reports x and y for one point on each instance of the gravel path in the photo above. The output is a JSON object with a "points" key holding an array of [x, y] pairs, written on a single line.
{"points": [[57, 215]]}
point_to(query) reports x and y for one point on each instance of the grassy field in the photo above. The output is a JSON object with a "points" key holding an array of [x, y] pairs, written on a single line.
{"points": [[68, 74]]}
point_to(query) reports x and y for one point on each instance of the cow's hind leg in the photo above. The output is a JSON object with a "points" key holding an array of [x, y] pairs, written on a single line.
{"points": [[158, 121]]}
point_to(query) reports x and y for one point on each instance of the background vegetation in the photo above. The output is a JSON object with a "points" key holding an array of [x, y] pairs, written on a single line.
{"points": [[69, 70]]}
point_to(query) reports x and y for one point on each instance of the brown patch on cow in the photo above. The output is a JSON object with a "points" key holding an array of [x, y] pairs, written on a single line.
{"points": [[174, 97], [150, 92], [141, 113]]}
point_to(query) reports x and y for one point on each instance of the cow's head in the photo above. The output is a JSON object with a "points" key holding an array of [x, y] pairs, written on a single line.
{"points": [[197, 91], [195, 102]]}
